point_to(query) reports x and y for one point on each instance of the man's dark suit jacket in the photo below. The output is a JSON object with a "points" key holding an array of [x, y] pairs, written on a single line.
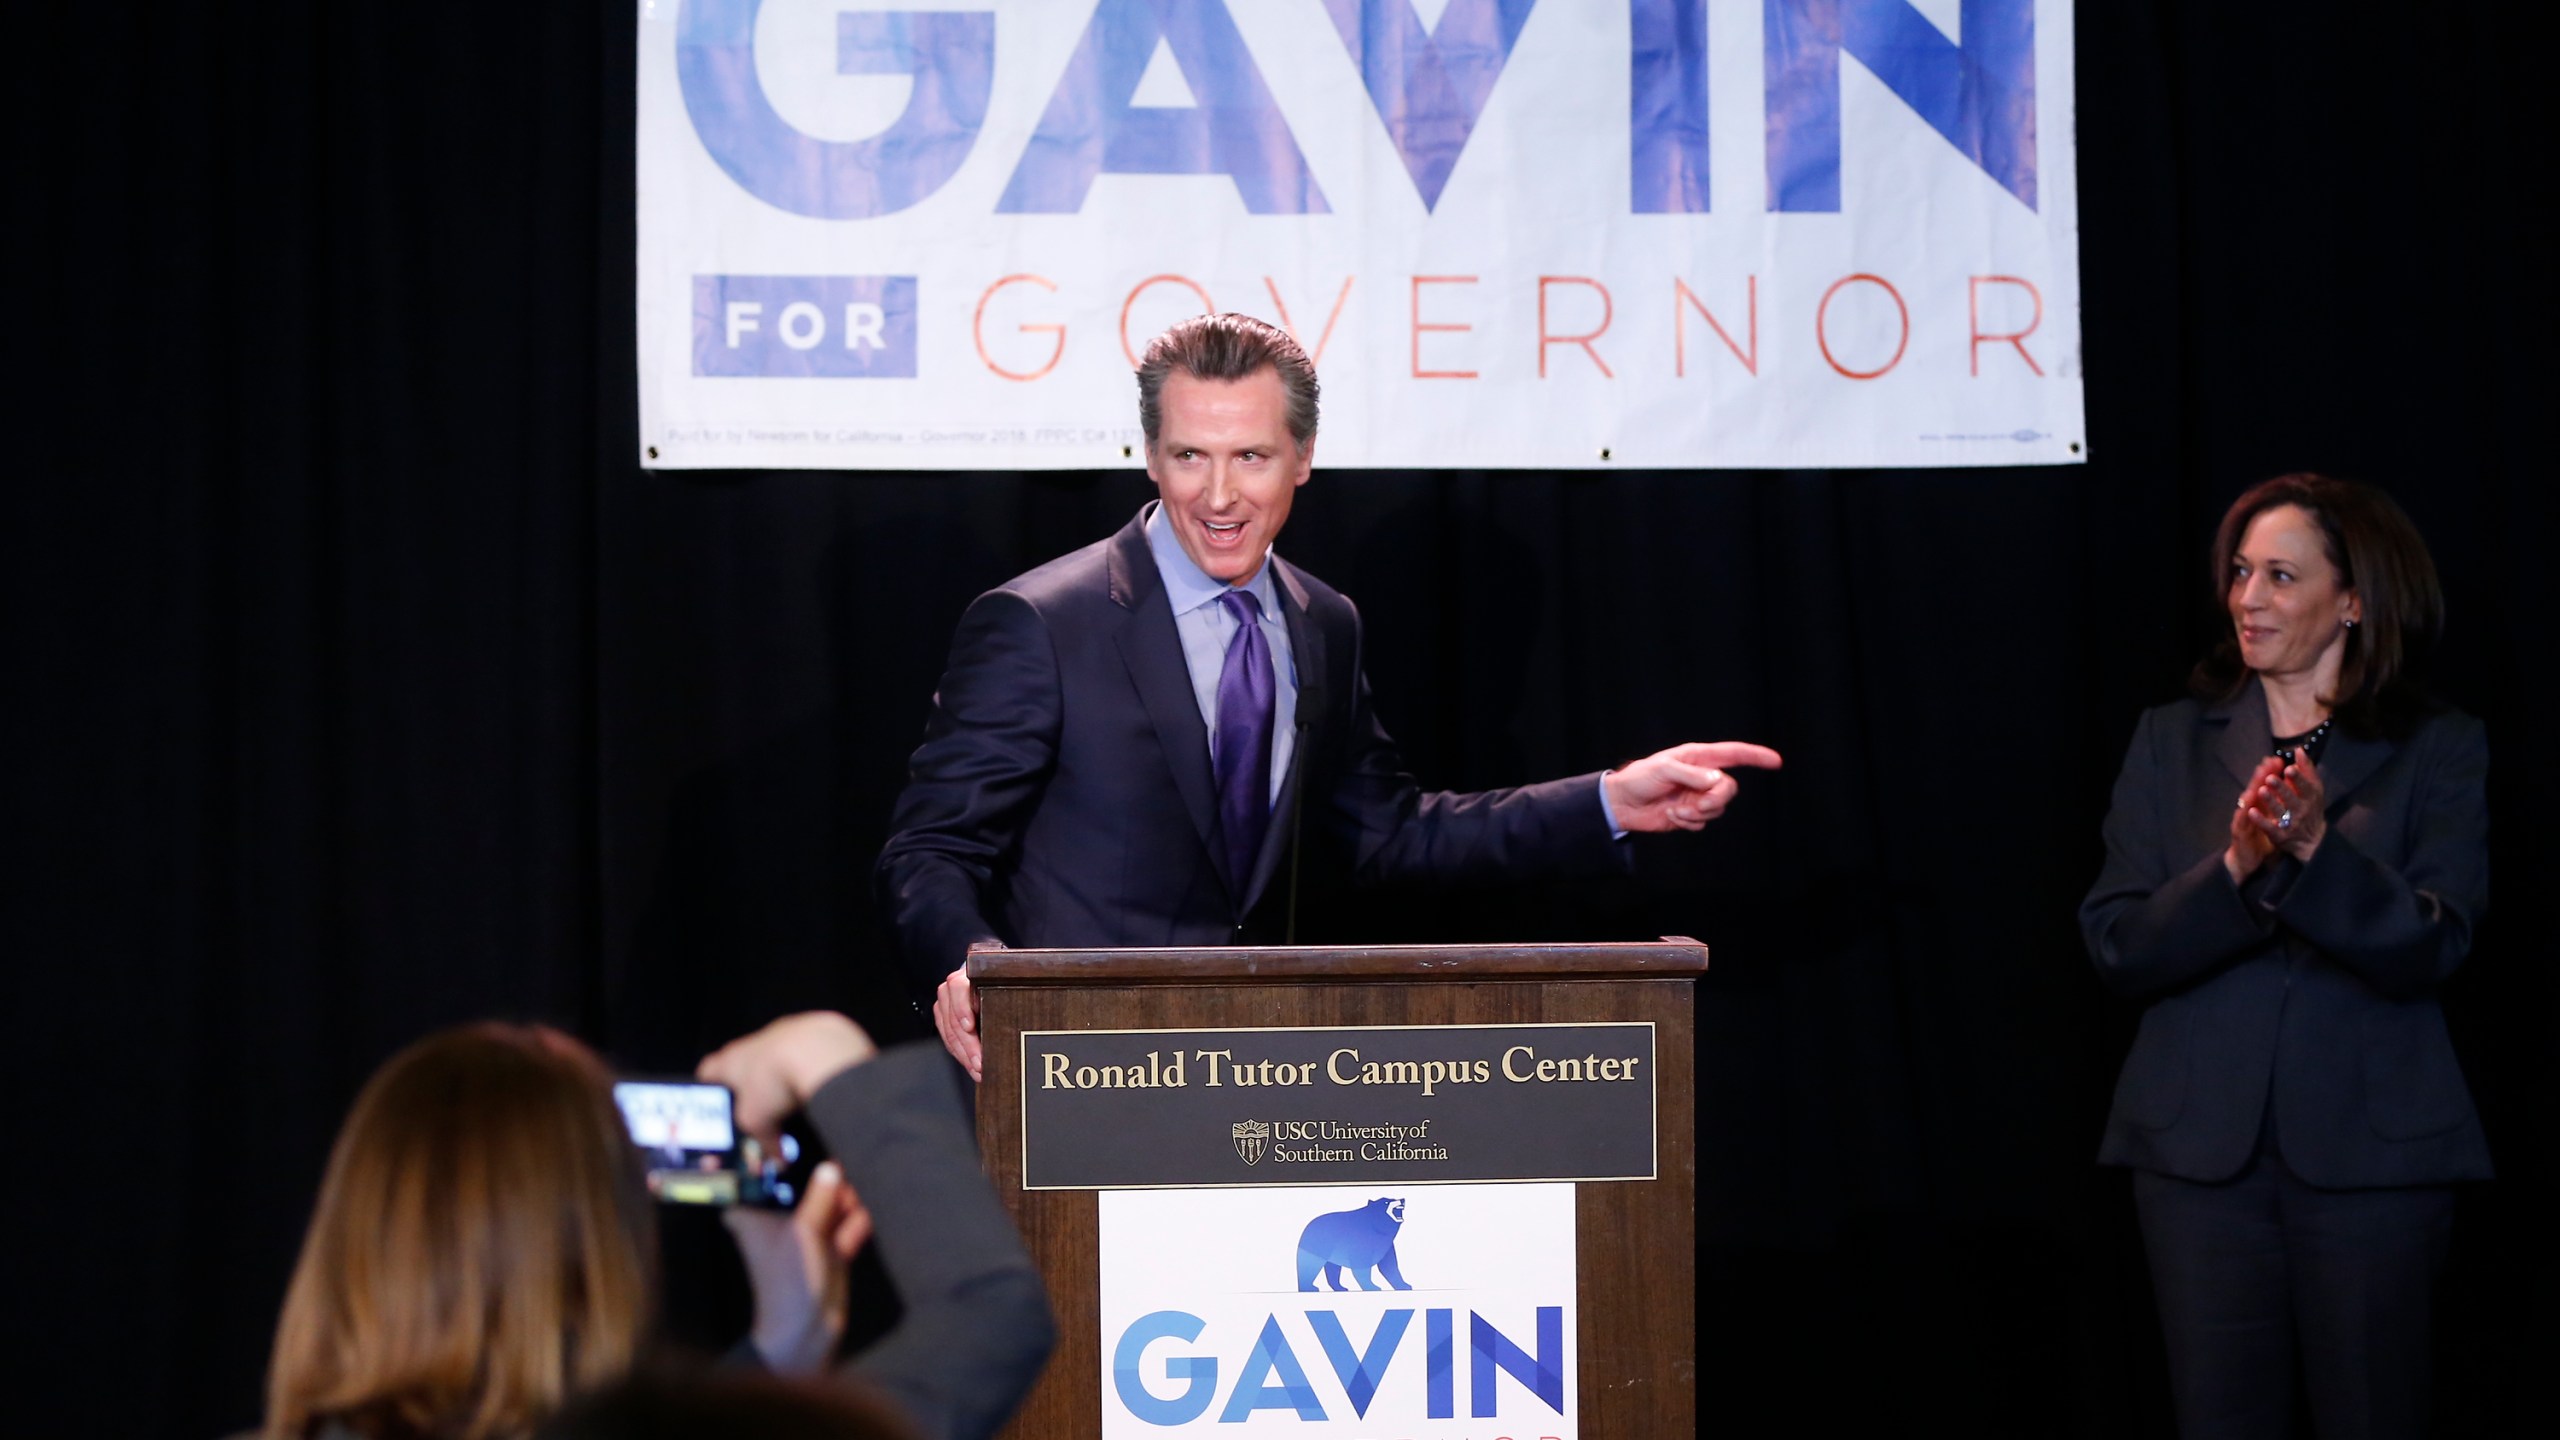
{"points": [[2307, 998], [1063, 796]]}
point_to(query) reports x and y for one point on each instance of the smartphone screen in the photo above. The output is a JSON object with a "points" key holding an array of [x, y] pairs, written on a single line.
{"points": [[694, 1154], [687, 1139]]}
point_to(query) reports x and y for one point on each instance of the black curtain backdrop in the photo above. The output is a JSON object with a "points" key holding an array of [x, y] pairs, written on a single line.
{"points": [[358, 682]]}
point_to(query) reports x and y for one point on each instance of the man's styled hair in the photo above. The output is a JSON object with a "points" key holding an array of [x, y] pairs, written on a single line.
{"points": [[483, 1246], [1228, 347], [2381, 557]]}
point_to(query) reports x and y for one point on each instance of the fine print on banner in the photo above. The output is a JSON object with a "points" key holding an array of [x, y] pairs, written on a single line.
{"points": [[874, 237]]}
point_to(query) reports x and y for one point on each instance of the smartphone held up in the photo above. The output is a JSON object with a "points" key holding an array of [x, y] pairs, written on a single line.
{"points": [[694, 1153]]}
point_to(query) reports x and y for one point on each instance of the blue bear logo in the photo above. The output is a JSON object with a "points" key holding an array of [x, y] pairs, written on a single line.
{"points": [[1360, 1241]]}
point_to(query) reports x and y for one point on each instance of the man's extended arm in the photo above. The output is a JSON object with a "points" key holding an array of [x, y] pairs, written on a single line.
{"points": [[1395, 830]]}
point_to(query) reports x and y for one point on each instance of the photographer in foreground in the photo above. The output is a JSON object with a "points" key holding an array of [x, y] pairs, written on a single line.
{"points": [[483, 1248]]}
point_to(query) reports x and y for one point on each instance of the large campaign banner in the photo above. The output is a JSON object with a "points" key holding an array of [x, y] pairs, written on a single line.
{"points": [[1580, 234]]}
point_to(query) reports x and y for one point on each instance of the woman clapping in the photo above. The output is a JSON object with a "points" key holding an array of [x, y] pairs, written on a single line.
{"points": [[2296, 860]]}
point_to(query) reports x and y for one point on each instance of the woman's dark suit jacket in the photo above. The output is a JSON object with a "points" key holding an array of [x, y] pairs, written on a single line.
{"points": [[2306, 998]]}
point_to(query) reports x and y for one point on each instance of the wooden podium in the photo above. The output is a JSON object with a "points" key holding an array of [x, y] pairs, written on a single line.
{"points": [[1635, 1242]]}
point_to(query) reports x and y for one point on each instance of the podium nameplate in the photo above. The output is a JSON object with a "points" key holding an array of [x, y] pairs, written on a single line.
{"points": [[1345, 1105]]}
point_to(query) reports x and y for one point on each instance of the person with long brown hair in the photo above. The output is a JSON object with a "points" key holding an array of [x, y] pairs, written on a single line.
{"points": [[2297, 858], [484, 1246]]}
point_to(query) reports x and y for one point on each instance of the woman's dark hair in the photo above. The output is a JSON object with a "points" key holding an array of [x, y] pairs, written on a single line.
{"points": [[2380, 556]]}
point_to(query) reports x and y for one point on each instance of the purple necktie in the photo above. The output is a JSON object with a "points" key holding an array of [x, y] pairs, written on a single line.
{"points": [[1240, 753]]}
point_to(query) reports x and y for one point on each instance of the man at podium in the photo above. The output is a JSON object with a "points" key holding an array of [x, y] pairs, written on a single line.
{"points": [[1130, 741]]}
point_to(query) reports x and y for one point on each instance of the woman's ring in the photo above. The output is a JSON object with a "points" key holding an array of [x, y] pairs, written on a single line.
{"points": [[2285, 821]]}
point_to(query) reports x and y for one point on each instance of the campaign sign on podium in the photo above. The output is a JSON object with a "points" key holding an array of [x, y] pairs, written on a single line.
{"points": [[1390, 1191], [1316, 1312]]}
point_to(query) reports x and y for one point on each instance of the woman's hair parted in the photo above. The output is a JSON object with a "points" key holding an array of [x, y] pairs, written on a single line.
{"points": [[2378, 554], [483, 1246], [1228, 347]]}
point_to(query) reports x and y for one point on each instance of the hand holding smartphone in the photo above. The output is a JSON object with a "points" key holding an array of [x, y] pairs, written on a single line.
{"points": [[689, 1140]]}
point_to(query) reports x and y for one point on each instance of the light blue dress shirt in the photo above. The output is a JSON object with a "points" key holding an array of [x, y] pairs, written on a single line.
{"points": [[1207, 629]]}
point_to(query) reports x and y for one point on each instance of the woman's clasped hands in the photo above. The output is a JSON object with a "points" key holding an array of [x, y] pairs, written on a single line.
{"points": [[2282, 808]]}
